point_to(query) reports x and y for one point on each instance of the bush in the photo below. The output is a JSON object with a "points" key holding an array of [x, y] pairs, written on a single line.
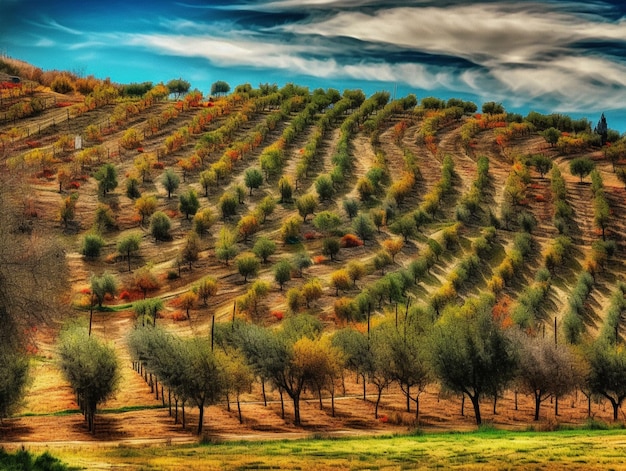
{"points": [[92, 245], [160, 225], [350, 240]]}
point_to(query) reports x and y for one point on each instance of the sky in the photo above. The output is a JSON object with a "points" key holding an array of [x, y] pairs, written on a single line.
{"points": [[545, 55]]}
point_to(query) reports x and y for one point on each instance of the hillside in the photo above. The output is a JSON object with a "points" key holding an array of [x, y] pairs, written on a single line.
{"points": [[440, 194]]}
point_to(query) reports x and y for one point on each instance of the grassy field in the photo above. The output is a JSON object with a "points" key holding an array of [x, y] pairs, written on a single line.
{"points": [[483, 450]]}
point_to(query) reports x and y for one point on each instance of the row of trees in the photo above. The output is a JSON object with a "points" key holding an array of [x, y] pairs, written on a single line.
{"points": [[466, 351]]}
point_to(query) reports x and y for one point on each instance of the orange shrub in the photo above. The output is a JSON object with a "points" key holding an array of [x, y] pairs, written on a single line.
{"points": [[351, 240], [179, 316], [319, 259]]}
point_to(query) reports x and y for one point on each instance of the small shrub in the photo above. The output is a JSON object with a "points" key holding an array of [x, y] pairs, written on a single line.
{"points": [[351, 240], [318, 259]]}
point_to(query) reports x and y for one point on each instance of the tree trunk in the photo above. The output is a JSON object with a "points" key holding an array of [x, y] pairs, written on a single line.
{"points": [[282, 404], [417, 411], [364, 388], [615, 405], [319, 394], [156, 387], [380, 392], [182, 406], [556, 405], [495, 402], [537, 406], [408, 398], [475, 402], [296, 409], [263, 390], [463, 405], [332, 401], [239, 410], [175, 410], [200, 418], [228, 402]]}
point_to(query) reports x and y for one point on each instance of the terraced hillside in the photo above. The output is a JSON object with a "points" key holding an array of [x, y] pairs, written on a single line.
{"points": [[395, 206]]}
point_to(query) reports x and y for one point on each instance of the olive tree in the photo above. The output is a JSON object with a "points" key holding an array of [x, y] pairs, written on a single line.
{"points": [[170, 180], [545, 370], [471, 355], [607, 372], [128, 245], [581, 167], [107, 178], [91, 367]]}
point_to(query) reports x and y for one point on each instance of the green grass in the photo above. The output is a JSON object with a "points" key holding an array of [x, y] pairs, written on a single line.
{"points": [[489, 449]]}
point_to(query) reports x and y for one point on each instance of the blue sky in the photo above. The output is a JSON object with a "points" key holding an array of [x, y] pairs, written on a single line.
{"points": [[564, 56]]}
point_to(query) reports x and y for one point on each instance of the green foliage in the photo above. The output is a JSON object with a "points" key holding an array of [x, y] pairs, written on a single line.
{"points": [[23, 460], [363, 226], [103, 285], [331, 247], [160, 225], [472, 355], [178, 87], [203, 220], [581, 167], [607, 372], [491, 107], [306, 204], [351, 207], [266, 207], [326, 221], [264, 247], [188, 202], [14, 373], [170, 180], [324, 187], [286, 189], [228, 204], [219, 88], [92, 245], [90, 366], [247, 265], [107, 178], [132, 188], [282, 272], [225, 247], [253, 178]]}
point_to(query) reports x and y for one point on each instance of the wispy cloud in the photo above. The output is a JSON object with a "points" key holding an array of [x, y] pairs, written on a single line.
{"points": [[569, 55]]}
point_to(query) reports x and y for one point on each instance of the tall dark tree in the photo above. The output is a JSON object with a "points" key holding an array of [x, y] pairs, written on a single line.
{"points": [[602, 129]]}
